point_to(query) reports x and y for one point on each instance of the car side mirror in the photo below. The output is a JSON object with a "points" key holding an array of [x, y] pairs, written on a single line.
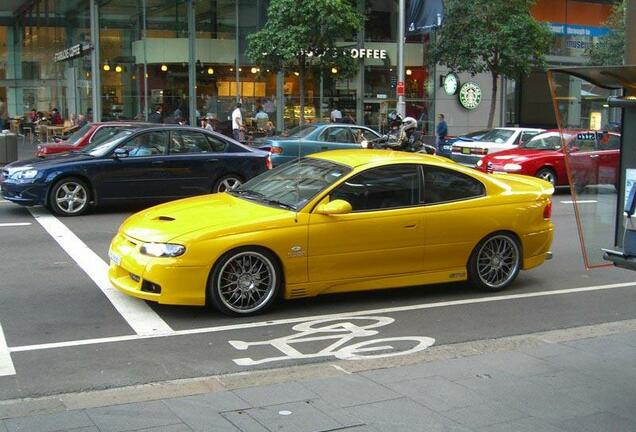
{"points": [[120, 153], [334, 207]]}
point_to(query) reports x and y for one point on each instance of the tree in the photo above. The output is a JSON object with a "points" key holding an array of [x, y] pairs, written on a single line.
{"points": [[496, 36], [301, 33], [610, 49]]}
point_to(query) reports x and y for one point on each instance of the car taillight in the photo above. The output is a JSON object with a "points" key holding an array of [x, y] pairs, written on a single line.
{"points": [[547, 211], [276, 150], [479, 151], [457, 149], [268, 162]]}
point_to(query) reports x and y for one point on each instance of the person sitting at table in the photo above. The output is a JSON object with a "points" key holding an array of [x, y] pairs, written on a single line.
{"points": [[56, 118], [33, 116]]}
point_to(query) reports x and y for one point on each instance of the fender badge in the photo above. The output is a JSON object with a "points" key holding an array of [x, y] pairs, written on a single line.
{"points": [[296, 251]]}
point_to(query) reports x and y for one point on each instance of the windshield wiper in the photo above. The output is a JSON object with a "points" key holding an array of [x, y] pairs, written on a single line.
{"points": [[250, 194]]}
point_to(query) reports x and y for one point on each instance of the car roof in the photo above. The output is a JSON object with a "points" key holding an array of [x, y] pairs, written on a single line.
{"points": [[358, 157], [520, 128]]}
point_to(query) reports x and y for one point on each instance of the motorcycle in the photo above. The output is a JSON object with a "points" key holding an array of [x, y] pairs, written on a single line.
{"points": [[399, 140]]}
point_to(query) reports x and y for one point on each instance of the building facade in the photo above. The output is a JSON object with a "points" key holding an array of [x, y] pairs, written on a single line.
{"points": [[119, 59]]}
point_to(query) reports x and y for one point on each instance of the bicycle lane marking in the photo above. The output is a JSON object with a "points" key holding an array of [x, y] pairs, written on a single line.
{"points": [[6, 364], [143, 320]]}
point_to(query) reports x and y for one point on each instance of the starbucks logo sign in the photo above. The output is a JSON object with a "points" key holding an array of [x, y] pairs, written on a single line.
{"points": [[470, 95]]}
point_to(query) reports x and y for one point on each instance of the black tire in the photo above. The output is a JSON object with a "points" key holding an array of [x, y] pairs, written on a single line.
{"points": [[235, 271], [69, 196], [489, 268], [227, 182], [548, 175]]}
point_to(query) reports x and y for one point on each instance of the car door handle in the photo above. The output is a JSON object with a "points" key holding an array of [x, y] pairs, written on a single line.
{"points": [[212, 160], [410, 226], [324, 148], [160, 162], [594, 156]]}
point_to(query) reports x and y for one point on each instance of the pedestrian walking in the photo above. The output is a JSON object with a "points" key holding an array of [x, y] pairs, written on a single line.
{"points": [[156, 116], [4, 115], [237, 122], [336, 115], [442, 133]]}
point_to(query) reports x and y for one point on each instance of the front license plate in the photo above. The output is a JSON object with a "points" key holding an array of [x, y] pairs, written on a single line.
{"points": [[114, 257], [466, 150]]}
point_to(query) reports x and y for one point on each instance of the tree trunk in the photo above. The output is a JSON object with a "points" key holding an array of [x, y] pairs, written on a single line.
{"points": [[493, 100], [301, 80]]}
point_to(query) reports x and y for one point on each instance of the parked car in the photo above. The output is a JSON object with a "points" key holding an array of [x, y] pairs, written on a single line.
{"points": [[468, 153], [140, 164], [471, 136], [89, 133], [336, 221], [314, 138], [594, 158]]}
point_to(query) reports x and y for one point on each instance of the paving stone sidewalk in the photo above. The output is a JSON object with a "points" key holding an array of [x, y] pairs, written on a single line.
{"points": [[585, 385]]}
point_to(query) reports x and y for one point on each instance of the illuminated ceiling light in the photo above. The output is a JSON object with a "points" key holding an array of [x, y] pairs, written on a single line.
{"points": [[146, 75], [267, 70], [240, 69], [210, 71], [254, 70], [297, 73], [134, 77], [231, 69], [334, 70], [106, 67], [164, 68], [409, 72], [118, 69]]}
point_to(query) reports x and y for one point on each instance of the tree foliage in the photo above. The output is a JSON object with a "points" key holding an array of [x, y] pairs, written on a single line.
{"points": [[300, 34], [610, 49], [495, 36]]}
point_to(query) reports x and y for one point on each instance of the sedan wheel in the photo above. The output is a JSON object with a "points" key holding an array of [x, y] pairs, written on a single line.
{"points": [[227, 183], [495, 262], [245, 282], [547, 175], [69, 197]]}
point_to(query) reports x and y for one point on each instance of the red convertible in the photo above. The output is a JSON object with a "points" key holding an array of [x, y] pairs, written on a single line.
{"points": [[593, 156], [88, 133]]}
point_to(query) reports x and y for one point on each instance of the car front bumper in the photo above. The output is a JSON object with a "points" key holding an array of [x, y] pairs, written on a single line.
{"points": [[28, 194], [162, 280]]}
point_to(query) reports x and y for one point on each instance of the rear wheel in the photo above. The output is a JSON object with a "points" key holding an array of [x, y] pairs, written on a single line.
{"points": [[227, 183], [69, 197], [495, 262], [548, 175]]}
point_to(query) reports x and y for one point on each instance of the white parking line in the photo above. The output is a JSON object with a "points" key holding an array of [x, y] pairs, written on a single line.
{"points": [[316, 317], [14, 224], [137, 313], [580, 202], [6, 364]]}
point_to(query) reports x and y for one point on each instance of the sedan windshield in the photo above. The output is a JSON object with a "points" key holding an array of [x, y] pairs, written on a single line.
{"points": [[75, 136], [497, 135], [549, 141], [293, 184], [102, 148], [301, 131]]}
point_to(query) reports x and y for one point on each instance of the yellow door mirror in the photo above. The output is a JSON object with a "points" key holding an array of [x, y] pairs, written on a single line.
{"points": [[334, 207]]}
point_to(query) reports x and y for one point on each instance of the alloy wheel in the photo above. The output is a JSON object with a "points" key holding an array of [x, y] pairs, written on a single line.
{"points": [[246, 282], [71, 197], [498, 261], [228, 184], [548, 176]]}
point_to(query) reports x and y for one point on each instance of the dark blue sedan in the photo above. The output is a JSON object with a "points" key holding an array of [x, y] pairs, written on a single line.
{"points": [[138, 164]]}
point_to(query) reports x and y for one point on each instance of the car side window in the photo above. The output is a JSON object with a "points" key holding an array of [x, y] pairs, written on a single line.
{"points": [[189, 142], [444, 185], [217, 145], [381, 188], [336, 135], [526, 136], [609, 142], [147, 144], [102, 134], [360, 134]]}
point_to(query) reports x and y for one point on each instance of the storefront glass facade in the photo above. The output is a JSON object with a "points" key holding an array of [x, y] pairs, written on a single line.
{"points": [[147, 51]]}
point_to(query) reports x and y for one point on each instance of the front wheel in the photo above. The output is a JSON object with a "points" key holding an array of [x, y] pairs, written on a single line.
{"points": [[548, 175], [245, 282], [69, 197], [227, 183], [495, 262]]}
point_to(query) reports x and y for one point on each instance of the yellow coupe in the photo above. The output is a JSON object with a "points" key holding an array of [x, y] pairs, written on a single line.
{"points": [[344, 220]]}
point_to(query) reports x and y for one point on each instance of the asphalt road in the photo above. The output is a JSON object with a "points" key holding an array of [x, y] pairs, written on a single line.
{"points": [[63, 334]]}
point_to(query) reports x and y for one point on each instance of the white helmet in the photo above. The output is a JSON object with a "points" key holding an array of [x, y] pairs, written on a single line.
{"points": [[409, 123]]}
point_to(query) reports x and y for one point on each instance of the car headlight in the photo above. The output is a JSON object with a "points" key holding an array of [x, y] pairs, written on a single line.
{"points": [[512, 167], [24, 174], [162, 249], [480, 162]]}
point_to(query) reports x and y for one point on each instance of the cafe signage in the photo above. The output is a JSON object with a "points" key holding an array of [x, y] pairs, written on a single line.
{"points": [[470, 95], [356, 53], [72, 52]]}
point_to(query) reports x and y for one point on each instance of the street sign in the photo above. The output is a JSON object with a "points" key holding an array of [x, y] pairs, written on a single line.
{"points": [[400, 88]]}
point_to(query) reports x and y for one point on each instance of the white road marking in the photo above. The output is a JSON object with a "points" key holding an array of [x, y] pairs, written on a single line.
{"points": [[580, 202], [6, 364], [143, 320], [14, 224], [4, 202], [271, 323]]}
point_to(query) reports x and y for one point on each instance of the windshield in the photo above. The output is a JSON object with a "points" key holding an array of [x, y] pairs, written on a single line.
{"points": [[78, 134], [293, 184], [498, 135], [102, 148], [549, 141], [301, 131]]}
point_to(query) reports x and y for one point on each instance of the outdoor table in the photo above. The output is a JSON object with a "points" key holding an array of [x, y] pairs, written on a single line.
{"points": [[52, 131]]}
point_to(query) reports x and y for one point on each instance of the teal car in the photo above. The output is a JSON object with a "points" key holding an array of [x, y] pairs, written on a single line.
{"points": [[315, 138]]}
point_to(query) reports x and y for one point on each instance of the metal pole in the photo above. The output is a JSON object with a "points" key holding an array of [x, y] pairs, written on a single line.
{"points": [[236, 53], [401, 105], [630, 33], [321, 95], [144, 35], [96, 76], [192, 69]]}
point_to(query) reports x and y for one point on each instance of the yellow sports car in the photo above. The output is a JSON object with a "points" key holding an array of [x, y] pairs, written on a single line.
{"points": [[344, 220]]}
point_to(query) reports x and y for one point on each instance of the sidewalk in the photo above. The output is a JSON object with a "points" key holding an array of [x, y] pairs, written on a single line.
{"points": [[575, 380]]}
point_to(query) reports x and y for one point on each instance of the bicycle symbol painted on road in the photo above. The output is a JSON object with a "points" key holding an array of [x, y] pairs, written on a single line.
{"points": [[342, 330]]}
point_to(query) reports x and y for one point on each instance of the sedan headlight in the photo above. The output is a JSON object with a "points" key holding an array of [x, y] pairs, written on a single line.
{"points": [[162, 249], [512, 167], [24, 174]]}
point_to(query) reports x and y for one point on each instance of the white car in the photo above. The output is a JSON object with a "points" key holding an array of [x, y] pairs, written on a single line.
{"points": [[469, 152]]}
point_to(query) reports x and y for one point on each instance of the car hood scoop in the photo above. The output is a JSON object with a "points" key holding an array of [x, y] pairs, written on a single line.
{"points": [[164, 218]]}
